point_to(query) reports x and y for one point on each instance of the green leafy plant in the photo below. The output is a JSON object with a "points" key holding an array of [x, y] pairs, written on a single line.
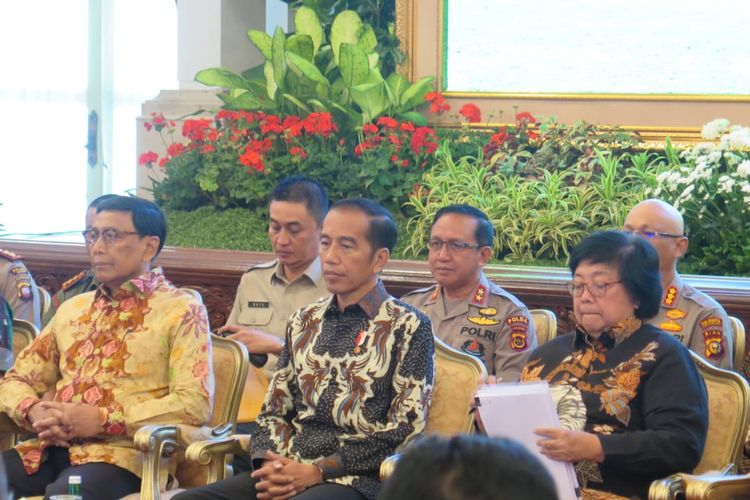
{"points": [[380, 14], [305, 73], [710, 185], [535, 217]]}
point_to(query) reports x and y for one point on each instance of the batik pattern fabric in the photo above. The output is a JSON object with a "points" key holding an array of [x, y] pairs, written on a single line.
{"points": [[643, 396], [350, 388], [142, 353]]}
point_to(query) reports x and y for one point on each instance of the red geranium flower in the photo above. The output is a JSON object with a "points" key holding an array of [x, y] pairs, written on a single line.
{"points": [[147, 158], [387, 121], [369, 129], [525, 117], [471, 112]]}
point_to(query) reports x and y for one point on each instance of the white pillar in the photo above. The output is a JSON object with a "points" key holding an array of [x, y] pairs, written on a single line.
{"points": [[210, 33]]}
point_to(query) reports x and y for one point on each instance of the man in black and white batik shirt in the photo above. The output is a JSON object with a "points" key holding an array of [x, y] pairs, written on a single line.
{"points": [[353, 382]]}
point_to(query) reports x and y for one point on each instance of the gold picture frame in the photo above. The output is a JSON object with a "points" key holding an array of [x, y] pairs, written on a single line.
{"points": [[655, 116]]}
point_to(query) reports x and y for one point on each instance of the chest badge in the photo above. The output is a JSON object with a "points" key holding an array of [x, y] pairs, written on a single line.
{"points": [[483, 320], [670, 326], [675, 314], [474, 348], [488, 311]]}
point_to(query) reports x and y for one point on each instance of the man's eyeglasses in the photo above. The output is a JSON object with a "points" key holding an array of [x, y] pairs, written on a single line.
{"points": [[453, 246], [595, 289], [653, 234], [108, 236]]}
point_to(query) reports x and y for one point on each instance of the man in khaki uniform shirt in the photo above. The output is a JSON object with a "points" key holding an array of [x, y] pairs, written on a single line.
{"points": [[18, 288], [467, 311], [694, 318], [268, 293]]}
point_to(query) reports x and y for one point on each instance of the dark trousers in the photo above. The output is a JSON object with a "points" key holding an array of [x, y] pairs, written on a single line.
{"points": [[99, 481], [241, 462], [243, 486]]}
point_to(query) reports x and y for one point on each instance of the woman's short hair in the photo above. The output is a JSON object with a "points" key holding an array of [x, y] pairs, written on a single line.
{"points": [[636, 262], [468, 467]]}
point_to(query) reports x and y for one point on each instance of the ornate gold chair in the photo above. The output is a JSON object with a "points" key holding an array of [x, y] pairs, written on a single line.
{"points": [[728, 419], [456, 378], [545, 325], [45, 301], [738, 340]]}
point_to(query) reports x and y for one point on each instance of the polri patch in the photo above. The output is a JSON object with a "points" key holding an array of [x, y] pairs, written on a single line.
{"points": [[714, 341], [518, 341]]}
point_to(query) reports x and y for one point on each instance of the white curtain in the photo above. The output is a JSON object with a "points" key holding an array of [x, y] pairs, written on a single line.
{"points": [[43, 113]]}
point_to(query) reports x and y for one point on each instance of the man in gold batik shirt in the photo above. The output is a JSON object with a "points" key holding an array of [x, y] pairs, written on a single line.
{"points": [[134, 352]]}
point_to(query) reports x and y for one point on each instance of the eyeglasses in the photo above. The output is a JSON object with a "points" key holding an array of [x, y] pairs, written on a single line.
{"points": [[653, 234], [453, 246], [108, 236], [595, 289]]}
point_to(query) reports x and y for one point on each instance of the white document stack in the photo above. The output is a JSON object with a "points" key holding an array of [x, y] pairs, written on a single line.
{"points": [[514, 411]]}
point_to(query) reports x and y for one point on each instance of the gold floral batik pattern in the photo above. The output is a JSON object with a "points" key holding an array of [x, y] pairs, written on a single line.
{"points": [[141, 352]]}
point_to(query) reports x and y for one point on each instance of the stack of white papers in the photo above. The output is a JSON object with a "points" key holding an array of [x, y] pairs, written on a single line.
{"points": [[514, 411]]}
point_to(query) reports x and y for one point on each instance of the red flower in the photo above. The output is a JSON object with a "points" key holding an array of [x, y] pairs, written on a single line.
{"points": [[208, 148], [271, 125], [148, 158], [195, 130], [525, 118], [252, 160], [163, 162], [407, 127], [293, 126], [405, 163], [500, 137], [298, 151], [387, 122], [471, 112], [369, 129], [438, 104], [148, 126], [394, 159], [175, 149], [533, 134], [395, 141], [319, 124]]}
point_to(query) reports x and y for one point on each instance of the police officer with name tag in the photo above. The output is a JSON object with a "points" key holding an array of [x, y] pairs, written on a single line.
{"points": [[694, 318], [466, 309]]}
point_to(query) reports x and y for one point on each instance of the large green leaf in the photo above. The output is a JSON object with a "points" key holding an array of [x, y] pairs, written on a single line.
{"points": [[345, 29], [370, 97], [353, 65], [367, 40], [262, 40], [398, 84], [278, 58], [254, 73], [305, 68], [347, 113], [301, 45], [301, 105], [271, 86], [306, 22], [243, 99], [319, 106], [414, 95], [221, 77], [414, 117], [373, 58]]}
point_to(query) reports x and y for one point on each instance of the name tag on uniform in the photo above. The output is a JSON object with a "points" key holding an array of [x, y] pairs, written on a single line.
{"points": [[262, 305]]}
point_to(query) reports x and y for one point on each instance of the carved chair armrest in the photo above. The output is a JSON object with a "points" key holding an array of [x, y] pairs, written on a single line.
{"points": [[388, 466], [213, 453], [667, 488], [160, 441], [716, 486]]}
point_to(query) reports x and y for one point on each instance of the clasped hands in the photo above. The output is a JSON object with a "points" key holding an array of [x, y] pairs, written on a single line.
{"points": [[58, 423], [280, 478]]}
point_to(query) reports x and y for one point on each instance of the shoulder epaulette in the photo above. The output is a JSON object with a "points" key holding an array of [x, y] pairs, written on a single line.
{"points": [[9, 255], [72, 281]]}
